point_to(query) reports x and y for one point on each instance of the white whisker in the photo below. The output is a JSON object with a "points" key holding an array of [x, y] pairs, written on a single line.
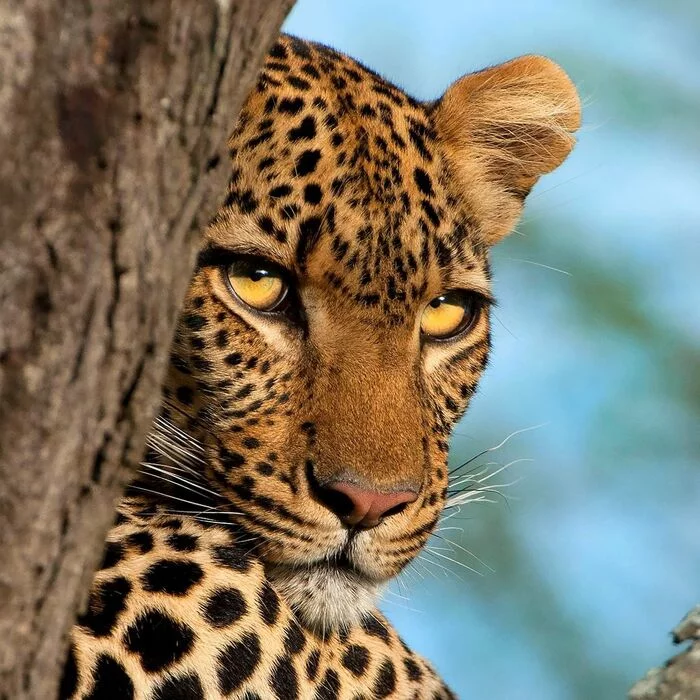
{"points": [[465, 550], [455, 561], [171, 429], [538, 264], [499, 446], [177, 480], [447, 571], [167, 495]]}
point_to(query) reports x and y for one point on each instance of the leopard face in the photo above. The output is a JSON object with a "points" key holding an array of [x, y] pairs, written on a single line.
{"points": [[337, 323]]}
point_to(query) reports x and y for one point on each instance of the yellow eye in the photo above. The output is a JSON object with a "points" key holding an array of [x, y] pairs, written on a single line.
{"points": [[256, 284], [448, 315]]}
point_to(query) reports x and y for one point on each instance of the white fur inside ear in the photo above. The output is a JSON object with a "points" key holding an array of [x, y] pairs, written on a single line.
{"points": [[325, 598]]}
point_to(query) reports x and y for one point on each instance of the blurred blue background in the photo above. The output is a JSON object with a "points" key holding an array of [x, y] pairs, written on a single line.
{"points": [[596, 550]]}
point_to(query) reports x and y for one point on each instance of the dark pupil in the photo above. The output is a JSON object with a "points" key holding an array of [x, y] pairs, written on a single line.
{"points": [[257, 275], [437, 302]]}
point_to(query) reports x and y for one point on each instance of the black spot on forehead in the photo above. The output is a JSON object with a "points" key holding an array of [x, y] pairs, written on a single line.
{"points": [[278, 50], [306, 163], [300, 48], [309, 235], [289, 105], [310, 70], [270, 104], [305, 131], [299, 83], [312, 193], [280, 191]]}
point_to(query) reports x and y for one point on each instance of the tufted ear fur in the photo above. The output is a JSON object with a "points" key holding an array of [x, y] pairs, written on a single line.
{"points": [[501, 129]]}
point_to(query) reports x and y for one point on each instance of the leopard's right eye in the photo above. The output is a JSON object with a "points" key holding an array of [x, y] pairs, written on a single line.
{"points": [[257, 284]]}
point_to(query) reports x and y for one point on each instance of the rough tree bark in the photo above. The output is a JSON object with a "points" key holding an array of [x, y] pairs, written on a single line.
{"points": [[113, 118]]}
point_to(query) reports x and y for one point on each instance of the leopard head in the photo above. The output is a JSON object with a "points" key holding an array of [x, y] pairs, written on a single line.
{"points": [[337, 322]]}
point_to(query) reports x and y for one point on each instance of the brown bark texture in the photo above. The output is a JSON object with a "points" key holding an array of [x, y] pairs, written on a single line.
{"points": [[113, 121], [679, 677]]}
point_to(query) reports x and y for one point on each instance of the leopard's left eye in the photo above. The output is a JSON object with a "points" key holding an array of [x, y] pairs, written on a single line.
{"points": [[257, 284], [448, 315]]}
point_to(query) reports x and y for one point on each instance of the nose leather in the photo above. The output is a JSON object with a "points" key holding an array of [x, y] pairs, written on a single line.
{"points": [[366, 508]]}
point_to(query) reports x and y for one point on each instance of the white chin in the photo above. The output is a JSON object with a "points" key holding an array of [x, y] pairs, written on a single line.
{"points": [[323, 597]]}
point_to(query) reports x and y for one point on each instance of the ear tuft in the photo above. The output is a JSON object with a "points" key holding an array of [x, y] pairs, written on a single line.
{"points": [[504, 127]]}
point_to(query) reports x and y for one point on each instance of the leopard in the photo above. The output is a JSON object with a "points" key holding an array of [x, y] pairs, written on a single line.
{"points": [[334, 330]]}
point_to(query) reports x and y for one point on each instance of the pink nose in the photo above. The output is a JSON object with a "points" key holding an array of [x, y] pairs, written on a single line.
{"points": [[358, 507]]}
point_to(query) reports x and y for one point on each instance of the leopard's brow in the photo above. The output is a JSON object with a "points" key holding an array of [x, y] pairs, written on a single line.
{"points": [[242, 235], [472, 280]]}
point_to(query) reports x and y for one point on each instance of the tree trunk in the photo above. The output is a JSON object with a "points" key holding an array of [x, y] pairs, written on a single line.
{"points": [[113, 119]]}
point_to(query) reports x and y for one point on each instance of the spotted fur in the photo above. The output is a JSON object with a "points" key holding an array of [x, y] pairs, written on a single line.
{"points": [[228, 573]]}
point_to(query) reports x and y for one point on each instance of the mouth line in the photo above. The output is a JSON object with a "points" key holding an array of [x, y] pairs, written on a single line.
{"points": [[340, 563]]}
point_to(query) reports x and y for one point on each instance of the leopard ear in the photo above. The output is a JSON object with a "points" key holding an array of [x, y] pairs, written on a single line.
{"points": [[501, 129]]}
